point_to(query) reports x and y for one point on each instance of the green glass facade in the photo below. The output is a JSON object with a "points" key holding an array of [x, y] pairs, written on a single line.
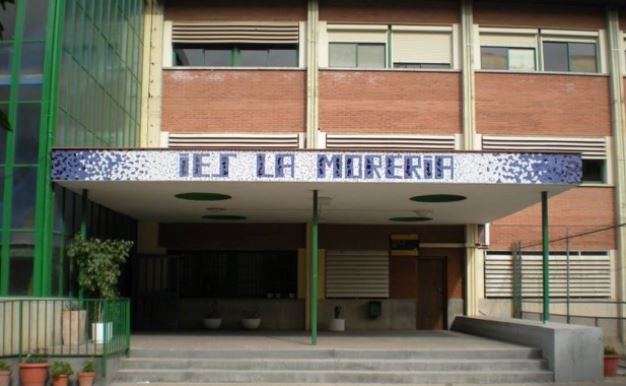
{"points": [[70, 75]]}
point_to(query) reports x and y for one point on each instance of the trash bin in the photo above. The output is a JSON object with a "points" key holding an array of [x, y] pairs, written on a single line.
{"points": [[374, 309]]}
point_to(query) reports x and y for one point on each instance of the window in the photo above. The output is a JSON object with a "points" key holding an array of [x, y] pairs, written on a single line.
{"points": [[430, 66], [519, 49], [421, 47], [570, 57], [236, 55], [594, 171], [357, 55], [504, 58]]}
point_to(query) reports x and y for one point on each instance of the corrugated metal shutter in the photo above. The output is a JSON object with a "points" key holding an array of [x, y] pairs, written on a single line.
{"points": [[590, 275], [512, 40], [590, 148], [347, 33], [357, 274], [408, 142], [236, 32], [422, 47], [245, 140]]}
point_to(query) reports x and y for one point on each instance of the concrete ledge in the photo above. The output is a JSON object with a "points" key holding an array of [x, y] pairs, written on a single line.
{"points": [[573, 353]]}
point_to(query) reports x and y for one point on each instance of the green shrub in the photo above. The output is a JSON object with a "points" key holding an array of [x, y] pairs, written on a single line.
{"points": [[36, 357], [60, 368], [4, 366], [89, 367], [608, 350]]}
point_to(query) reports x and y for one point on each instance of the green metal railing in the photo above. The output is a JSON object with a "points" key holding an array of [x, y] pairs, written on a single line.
{"points": [[64, 327]]}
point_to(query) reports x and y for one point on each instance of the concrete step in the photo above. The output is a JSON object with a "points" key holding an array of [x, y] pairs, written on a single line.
{"points": [[508, 353], [337, 364], [316, 376]]}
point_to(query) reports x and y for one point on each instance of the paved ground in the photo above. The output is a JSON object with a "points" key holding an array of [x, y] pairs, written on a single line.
{"points": [[403, 340]]}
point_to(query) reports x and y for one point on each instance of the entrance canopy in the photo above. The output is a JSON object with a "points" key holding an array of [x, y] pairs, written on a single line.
{"points": [[276, 186]]}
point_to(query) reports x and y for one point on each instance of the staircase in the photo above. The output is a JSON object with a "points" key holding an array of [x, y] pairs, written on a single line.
{"points": [[336, 366]]}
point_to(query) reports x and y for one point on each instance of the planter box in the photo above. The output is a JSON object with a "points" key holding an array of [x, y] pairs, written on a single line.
{"points": [[212, 323], [251, 323], [74, 327], [337, 325], [98, 332]]}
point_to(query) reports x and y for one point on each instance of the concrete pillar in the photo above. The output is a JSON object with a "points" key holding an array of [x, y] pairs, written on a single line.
{"points": [[153, 47], [312, 75]]}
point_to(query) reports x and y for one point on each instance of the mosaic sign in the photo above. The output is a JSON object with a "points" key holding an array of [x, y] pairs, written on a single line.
{"points": [[315, 166]]}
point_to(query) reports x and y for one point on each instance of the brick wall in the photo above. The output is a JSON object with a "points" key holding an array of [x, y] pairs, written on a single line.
{"points": [[380, 11], [541, 104], [525, 14], [582, 209], [233, 100], [393, 102], [236, 10]]}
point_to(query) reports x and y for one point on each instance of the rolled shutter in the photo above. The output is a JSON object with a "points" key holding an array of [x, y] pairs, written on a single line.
{"points": [[239, 32]]}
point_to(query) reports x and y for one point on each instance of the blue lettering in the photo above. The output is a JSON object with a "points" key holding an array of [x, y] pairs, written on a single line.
{"points": [[412, 163], [372, 165], [200, 162], [183, 165], [224, 162], [354, 163], [428, 167], [284, 161], [323, 162], [390, 170], [260, 166], [444, 163]]}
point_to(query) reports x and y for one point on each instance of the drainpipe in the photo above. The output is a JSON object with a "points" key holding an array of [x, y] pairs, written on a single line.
{"points": [[545, 241], [616, 75], [314, 249]]}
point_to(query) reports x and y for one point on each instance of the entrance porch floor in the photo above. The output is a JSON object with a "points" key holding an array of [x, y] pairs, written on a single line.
{"points": [[282, 340]]}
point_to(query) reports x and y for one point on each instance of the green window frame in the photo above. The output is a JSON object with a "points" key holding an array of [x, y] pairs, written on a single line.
{"points": [[235, 55]]}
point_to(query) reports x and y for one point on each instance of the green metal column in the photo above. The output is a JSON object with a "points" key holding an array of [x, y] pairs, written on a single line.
{"points": [[546, 256], [84, 220], [314, 245]]}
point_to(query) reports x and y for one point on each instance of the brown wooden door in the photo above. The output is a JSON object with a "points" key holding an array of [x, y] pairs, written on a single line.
{"points": [[431, 293]]}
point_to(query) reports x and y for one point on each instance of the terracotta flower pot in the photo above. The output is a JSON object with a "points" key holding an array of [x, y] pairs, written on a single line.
{"points": [[33, 374], [5, 377], [611, 364], [86, 379], [60, 380]]}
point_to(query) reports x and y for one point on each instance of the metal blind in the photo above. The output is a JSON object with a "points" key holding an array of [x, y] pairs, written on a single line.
{"points": [[590, 148], [409, 142], [357, 274], [245, 140], [236, 32], [590, 275]]}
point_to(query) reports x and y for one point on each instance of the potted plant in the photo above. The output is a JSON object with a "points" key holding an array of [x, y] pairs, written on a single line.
{"points": [[338, 323], [213, 320], [60, 372], [611, 361], [99, 262], [34, 370], [74, 323], [87, 375], [5, 373], [250, 320]]}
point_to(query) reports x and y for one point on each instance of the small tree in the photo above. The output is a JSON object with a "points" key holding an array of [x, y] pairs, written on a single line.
{"points": [[99, 262]]}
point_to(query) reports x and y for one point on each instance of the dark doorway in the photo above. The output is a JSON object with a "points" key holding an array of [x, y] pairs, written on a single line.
{"points": [[155, 293], [431, 293]]}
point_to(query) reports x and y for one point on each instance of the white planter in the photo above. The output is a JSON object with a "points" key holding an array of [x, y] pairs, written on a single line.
{"points": [[250, 323], [212, 323], [337, 325], [98, 332]]}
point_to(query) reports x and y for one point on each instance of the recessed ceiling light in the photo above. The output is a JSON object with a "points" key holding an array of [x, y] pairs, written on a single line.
{"points": [[410, 219], [198, 196], [438, 198], [224, 217]]}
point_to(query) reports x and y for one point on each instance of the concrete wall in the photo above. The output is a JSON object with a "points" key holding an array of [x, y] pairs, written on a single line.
{"points": [[573, 353], [275, 314], [397, 314]]}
